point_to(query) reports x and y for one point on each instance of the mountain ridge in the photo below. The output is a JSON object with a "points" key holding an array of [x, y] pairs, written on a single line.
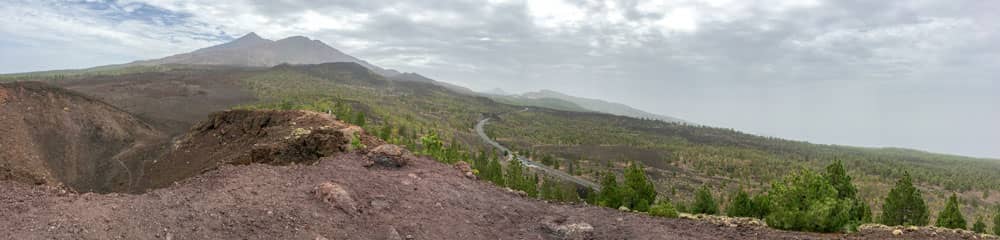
{"points": [[546, 98]]}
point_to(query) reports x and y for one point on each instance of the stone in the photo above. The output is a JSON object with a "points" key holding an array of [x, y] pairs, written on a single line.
{"points": [[465, 169], [393, 234], [379, 204], [897, 232], [336, 195], [559, 228], [389, 155]]}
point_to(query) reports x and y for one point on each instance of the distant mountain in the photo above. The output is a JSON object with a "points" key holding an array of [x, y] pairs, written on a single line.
{"points": [[497, 91], [253, 51], [588, 104], [552, 103], [414, 77]]}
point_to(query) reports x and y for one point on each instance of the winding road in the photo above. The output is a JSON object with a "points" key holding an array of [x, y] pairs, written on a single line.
{"points": [[532, 164]]}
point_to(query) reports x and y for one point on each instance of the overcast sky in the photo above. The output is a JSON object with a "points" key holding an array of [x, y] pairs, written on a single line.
{"points": [[916, 74]]}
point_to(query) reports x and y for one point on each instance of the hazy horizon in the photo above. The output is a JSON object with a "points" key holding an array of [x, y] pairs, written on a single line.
{"points": [[913, 74]]}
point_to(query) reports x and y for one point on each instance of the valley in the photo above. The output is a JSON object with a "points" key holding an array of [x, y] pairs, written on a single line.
{"points": [[208, 123]]}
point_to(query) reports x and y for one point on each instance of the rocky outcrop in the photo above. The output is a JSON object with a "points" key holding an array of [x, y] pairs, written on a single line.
{"points": [[560, 228], [388, 156], [253, 136]]}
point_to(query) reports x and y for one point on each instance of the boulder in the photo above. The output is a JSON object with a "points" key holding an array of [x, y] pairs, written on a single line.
{"points": [[388, 155], [559, 228], [337, 196]]}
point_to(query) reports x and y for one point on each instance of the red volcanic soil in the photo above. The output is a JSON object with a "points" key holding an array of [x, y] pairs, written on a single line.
{"points": [[60, 137]]}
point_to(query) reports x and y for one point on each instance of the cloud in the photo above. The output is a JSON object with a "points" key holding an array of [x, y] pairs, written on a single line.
{"points": [[868, 73]]}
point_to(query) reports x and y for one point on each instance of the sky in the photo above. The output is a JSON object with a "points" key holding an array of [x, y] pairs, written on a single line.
{"points": [[915, 74]]}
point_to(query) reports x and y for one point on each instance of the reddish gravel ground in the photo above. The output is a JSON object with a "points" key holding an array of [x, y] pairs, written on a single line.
{"points": [[424, 200]]}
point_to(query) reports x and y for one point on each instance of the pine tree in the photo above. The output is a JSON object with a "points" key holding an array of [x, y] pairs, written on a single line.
{"points": [[951, 216], [979, 226], [514, 174], [996, 221], [493, 172], [837, 176], [741, 205], [904, 205], [860, 211], [704, 202], [640, 192], [609, 194], [805, 201]]}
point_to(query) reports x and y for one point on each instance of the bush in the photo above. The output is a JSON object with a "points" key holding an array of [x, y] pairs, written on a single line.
{"points": [[951, 215], [663, 209], [979, 226], [741, 205], [704, 202], [805, 201], [635, 193], [762, 206]]}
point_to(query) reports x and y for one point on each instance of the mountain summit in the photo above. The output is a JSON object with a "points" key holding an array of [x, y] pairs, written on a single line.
{"points": [[253, 51]]}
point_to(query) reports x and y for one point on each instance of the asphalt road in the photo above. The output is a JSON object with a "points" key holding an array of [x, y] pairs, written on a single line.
{"points": [[532, 164]]}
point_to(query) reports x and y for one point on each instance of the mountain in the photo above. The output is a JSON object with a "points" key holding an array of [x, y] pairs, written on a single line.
{"points": [[414, 77], [545, 98], [553, 103], [253, 51]]}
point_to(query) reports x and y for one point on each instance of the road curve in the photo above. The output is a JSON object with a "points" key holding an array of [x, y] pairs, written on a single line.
{"points": [[480, 130]]}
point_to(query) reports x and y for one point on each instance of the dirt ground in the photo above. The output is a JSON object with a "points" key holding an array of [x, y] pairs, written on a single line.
{"points": [[423, 200], [170, 101], [59, 137]]}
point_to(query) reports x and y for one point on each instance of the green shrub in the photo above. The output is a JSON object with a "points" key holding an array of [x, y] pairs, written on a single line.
{"points": [[356, 142], [741, 205], [663, 209], [805, 201], [761, 206], [979, 226], [704, 202]]}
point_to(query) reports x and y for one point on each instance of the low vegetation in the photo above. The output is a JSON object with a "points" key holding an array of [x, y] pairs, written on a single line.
{"points": [[681, 166]]}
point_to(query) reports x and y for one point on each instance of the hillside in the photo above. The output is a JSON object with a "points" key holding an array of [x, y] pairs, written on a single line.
{"points": [[679, 157], [551, 103], [339, 194], [57, 137], [560, 101]]}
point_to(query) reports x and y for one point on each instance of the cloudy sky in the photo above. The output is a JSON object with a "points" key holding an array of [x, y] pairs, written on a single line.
{"points": [[916, 74]]}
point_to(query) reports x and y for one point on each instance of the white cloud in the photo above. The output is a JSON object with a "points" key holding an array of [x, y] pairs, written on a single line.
{"points": [[680, 20], [556, 14]]}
